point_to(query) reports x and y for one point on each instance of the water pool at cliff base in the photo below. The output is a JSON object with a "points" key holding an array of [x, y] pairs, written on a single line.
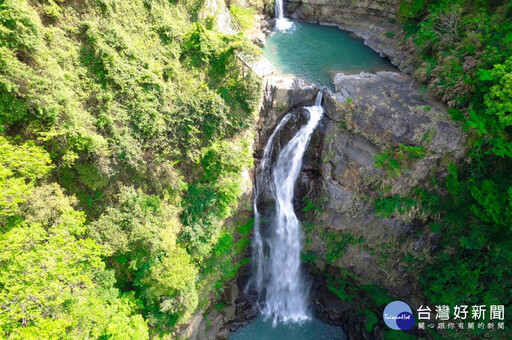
{"points": [[316, 53], [313, 329]]}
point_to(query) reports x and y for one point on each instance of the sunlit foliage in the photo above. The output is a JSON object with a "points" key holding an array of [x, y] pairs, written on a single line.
{"points": [[124, 145]]}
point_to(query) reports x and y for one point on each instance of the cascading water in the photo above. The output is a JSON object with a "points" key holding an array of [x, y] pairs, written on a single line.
{"points": [[282, 24], [278, 278], [257, 244]]}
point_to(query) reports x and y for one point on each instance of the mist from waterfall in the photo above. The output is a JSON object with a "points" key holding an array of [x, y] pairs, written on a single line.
{"points": [[282, 24], [276, 272]]}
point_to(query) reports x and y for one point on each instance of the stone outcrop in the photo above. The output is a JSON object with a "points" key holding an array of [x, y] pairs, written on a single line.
{"points": [[214, 325], [282, 93], [368, 114], [387, 109]]}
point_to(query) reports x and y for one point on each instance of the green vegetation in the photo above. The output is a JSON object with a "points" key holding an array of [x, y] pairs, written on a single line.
{"points": [[464, 53], [422, 204], [244, 16], [339, 287], [125, 129], [399, 335], [53, 281], [336, 242], [368, 300], [394, 160], [371, 320], [391, 206], [313, 207]]}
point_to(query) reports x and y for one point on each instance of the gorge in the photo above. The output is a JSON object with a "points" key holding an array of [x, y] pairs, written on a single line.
{"points": [[358, 253], [361, 120], [282, 290]]}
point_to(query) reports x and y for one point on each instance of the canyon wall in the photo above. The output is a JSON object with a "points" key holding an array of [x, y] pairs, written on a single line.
{"points": [[366, 116]]}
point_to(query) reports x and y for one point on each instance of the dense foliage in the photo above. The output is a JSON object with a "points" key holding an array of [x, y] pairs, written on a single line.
{"points": [[464, 49], [125, 129], [53, 281]]}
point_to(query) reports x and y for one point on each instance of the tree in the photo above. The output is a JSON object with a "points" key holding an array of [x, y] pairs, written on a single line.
{"points": [[53, 282]]}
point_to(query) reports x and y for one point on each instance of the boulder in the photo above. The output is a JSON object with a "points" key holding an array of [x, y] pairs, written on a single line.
{"points": [[281, 94], [216, 323]]}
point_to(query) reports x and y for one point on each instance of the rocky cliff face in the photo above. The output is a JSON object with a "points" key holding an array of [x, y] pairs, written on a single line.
{"points": [[374, 21], [384, 111], [367, 115]]}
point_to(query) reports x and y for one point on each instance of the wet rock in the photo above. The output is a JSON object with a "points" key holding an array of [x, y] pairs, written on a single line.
{"points": [[223, 334], [246, 310], [231, 293], [333, 311], [229, 312], [283, 93]]}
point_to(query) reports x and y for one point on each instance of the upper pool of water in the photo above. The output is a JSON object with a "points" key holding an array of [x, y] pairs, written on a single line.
{"points": [[316, 53], [312, 329]]}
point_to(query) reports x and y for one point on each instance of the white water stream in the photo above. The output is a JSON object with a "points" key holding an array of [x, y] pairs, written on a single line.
{"points": [[276, 272], [282, 24]]}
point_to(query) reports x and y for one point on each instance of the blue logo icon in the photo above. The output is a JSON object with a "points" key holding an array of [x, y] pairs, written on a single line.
{"points": [[398, 315]]}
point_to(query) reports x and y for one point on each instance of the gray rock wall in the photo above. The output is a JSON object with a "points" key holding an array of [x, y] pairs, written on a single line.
{"points": [[367, 115]]}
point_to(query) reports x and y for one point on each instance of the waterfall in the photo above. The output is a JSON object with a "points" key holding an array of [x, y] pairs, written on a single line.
{"points": [[257, 242], [282, 24], [277, 276]]}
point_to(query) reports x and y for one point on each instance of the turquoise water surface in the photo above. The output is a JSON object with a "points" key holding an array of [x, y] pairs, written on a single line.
{"points": [[313, 329], [316, 53]]}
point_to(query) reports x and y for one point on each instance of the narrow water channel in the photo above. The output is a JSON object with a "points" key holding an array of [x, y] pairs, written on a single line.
{"points": [[316, 53]]}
